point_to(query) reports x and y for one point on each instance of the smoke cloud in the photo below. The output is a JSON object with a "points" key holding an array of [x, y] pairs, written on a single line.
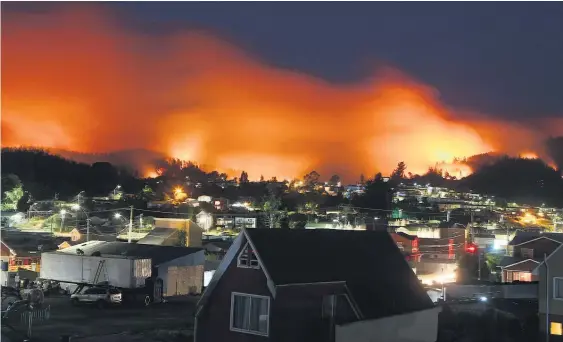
{"points": [[75, 79]]}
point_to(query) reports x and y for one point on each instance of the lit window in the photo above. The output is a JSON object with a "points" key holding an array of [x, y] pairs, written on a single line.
{"points": [[250, 313], [247, 258], [555, 328]]}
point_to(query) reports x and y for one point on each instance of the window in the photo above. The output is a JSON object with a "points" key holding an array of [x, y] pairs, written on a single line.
{"points": [[247, 258], [527, 252], [555, 328], [400, 245], [250, 313], [558, 288]]}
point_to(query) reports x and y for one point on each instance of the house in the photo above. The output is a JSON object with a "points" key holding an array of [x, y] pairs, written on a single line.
{"points": [[408, 244], [180, 269], [525, 252], [312, 285], [169, 232], [550, 297], [23, 250], [97, 232]]}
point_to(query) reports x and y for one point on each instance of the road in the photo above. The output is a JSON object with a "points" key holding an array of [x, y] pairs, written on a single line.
{"points": [[87, 321]]}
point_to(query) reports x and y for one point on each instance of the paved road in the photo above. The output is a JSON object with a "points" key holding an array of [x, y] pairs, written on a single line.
{"points": [[85, 321]]}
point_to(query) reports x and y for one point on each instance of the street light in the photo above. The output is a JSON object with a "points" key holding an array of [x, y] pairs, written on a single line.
{"points": [[117, 215], [77, 207], [63, 213]]}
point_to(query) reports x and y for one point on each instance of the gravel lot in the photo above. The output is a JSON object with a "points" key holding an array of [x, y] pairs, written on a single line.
{"points": [[87, 323]]}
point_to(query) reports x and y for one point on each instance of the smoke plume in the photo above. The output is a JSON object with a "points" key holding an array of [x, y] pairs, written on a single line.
{"points": [[74, 79]]}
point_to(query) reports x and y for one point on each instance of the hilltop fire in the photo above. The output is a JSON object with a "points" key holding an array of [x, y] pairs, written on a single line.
{"points": [[73, 79]]}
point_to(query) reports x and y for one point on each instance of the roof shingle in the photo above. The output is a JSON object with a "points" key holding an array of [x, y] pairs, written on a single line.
{"points": [[376, 273]]}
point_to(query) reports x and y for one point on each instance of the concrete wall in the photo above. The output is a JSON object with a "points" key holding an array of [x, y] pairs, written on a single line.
{"points": [[420, 326], [520, 291]]}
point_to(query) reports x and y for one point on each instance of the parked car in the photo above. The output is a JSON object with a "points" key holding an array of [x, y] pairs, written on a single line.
{"points": [[10, 295], [100, 296]]}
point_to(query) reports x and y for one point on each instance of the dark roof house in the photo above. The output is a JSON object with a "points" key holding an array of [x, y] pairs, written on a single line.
{"points": [[294, 274], [526, 251]]}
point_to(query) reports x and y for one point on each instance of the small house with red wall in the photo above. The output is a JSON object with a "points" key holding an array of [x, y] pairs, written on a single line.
{"points": [[307, 285]]}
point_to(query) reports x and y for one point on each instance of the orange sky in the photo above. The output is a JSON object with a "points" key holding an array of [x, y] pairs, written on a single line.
{"points": [[75, 80]]}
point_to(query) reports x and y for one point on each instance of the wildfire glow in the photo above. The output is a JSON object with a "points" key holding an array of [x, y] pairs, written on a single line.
{"points": [[529, 155], [72, 78]]}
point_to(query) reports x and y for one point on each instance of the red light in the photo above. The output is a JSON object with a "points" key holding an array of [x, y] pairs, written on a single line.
{"points": [[471, 249]]}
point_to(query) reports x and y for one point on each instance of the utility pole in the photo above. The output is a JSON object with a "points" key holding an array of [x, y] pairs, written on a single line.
{"points": [[507, 240], [478, 263], [87, 229], [130, 225]]}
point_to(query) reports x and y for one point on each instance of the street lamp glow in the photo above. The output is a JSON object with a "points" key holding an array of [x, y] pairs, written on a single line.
{"points": [[63, 212], [75, 207], [117, 215]]}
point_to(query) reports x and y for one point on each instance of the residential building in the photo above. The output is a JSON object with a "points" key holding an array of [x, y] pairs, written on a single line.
{"points": [[313, 285], [23, 250], [100, 233], [408, 244], [550, 297], [525, 253], [170, 232]]}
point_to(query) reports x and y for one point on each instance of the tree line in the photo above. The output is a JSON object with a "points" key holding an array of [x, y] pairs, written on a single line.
{"points": [[44, 176]]}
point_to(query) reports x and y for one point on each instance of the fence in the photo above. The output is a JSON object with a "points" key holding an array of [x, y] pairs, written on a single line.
{"points": [[28, 317], [35, 315]]}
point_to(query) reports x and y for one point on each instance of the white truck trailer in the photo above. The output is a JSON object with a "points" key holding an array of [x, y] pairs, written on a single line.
{"points": [[118, 271]]}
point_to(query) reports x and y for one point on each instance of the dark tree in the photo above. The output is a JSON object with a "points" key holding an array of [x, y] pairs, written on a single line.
{"points": [[312, 178], [378, 194], [23, 204], [399, 173], [334, 180], [243, 177]]}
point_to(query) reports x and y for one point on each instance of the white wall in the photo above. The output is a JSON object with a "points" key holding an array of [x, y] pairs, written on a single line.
{"points": [[420, 326]]}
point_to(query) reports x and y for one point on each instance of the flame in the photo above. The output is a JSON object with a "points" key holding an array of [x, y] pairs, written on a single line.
{"points": [[529, 155], [74, 79]]}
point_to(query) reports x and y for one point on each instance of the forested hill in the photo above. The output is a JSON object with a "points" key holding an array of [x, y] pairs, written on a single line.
{"points": [[44, 174]]}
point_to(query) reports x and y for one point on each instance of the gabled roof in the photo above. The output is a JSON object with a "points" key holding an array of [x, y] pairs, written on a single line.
{"points": [[216, 246], [157, 236], [524, 237], [375, 272], [406, 236], [523, 265]]}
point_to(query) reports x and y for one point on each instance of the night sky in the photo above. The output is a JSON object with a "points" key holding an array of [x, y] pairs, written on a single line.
{"points": [[496, 67], [500, 58]]}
